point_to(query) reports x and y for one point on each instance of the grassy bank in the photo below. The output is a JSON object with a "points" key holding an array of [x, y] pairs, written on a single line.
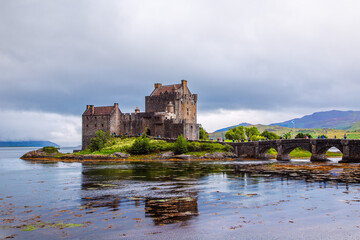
{"points": [[127, 145]]}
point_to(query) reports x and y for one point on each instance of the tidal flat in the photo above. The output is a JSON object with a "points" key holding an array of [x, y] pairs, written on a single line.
{"points": [[169, 200]]}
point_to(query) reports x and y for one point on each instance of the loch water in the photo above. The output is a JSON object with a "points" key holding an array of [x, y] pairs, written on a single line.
{"points": [[167, 200]]}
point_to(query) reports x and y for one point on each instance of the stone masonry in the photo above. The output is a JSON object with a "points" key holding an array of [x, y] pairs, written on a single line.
{"points": [[170, 110]]}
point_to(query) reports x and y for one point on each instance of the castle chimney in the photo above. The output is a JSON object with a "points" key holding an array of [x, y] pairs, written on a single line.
{"points": [[184, 86], [157, 85], [137, 110], [116, 105], [92, 109]]}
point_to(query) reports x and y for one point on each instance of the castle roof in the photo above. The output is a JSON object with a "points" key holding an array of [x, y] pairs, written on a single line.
{"points": [[166, 88], [107, 110]]}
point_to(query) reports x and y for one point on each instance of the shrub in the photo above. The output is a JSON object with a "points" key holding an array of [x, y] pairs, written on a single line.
{"points": [[98, 142], [181, 145], [160, 145], [141, 146], [195, 147], [50, 149], [228, 148]]}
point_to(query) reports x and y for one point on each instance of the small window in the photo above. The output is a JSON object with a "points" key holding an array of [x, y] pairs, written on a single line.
{"points": [[87, 125], [95, 125], [102, 125]]}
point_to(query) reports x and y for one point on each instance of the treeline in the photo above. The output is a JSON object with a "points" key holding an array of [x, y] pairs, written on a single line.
{"points": [[242, 133]]}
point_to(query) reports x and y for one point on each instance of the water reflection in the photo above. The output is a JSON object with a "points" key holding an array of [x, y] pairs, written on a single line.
{"points": [[160, 200], [166, 190]]}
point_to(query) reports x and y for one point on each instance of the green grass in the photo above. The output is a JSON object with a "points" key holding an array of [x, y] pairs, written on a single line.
{"points": [[124, 144]]}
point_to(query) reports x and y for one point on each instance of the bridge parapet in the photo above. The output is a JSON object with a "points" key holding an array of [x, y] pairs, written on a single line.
{"points": [[317, 147]]}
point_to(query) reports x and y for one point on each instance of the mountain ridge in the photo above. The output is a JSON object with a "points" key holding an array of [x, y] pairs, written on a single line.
{"points": [[334, 119], [27, 144]]}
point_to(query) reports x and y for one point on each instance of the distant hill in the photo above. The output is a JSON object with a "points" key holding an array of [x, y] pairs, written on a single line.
{"points": [[227, 128], [344, 120], [331, 133], [27, 144]]}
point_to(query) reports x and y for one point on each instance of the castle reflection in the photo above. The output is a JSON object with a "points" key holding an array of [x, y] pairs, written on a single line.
{"points": [[165, 191]]}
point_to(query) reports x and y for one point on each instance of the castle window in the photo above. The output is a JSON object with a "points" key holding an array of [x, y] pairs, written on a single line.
{"points": [[188, 111], [102, 125], [87, 125], [95, 125]]}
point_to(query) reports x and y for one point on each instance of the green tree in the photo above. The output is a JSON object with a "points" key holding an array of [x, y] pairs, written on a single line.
{"points": [[141, 146], [181, 145], [252, 131], [287, 135], [98, 142], [303, 135], [236, 133], [300, 135], [269, 135], [203, 135]]}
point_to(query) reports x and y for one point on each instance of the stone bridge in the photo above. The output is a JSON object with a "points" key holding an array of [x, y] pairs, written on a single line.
{"points": [[318, 148]]}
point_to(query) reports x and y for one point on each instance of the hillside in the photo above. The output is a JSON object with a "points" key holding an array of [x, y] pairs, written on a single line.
{"points": [[227, 128], [331, 133], [27, 144], [346, 120]]}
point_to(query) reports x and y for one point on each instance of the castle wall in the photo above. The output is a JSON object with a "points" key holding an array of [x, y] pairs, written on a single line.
{"points": [[158, 103], [187, 106], [115, 121], [92, 124]]}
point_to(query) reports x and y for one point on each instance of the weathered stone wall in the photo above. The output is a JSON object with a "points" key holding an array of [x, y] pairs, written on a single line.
{"points": [[187, 106], [159, 103], [92, 124]]}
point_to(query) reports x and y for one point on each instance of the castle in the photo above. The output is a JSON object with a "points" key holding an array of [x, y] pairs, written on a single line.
{"points": [[170, 111]]}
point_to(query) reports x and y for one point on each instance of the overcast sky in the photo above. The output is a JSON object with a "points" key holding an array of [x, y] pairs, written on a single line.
{"points": [[255, 61]]}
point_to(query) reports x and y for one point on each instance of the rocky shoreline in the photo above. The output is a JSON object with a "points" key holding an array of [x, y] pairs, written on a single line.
{"points": [[339, 172], [41, 155]]}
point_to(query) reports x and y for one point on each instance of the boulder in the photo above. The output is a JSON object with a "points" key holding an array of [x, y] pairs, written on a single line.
{"points": [[221, 155], [183, 156], [167, 155], [121, 155]]}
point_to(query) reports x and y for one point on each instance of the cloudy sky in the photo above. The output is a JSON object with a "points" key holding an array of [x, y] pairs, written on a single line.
{"points": [[255, 61]]}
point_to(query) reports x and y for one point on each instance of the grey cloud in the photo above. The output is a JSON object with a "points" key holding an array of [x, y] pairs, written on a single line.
{"points": [[58, 56]]}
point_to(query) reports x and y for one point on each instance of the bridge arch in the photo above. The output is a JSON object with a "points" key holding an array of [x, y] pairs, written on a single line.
{"points": [[264, 147], [288, 146], [322, 147]]}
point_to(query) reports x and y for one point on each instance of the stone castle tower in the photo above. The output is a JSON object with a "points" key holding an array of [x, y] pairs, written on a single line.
{"points": [[170, 110]]}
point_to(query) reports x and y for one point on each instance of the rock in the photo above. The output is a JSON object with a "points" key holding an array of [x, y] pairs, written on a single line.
{"points": [[40, 153], [221, 155], [121, 155], [167, 155], [183, 156]]}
